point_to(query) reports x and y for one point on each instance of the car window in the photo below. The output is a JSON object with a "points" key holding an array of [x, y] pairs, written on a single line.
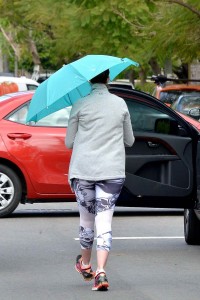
{"points": [[171, 96], [146, 118], [19, 115], [31, 87], [58, 119], [188, 105]]}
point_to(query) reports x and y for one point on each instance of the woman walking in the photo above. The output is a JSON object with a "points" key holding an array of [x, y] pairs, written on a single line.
{"points": [[98, 131]]}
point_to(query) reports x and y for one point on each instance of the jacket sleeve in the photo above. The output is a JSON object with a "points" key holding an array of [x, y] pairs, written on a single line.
{"points": [[71, 130], [128, 131]]}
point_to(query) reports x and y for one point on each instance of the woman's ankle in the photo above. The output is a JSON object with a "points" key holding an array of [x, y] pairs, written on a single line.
{"points": [[100, 270]]}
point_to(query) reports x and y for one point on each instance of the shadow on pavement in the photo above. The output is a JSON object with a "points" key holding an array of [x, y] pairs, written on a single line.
{"points": [[43, 213], [54, 213], [150, 212]]}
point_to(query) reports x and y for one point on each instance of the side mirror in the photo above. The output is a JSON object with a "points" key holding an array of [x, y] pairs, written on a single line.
{"points": [[195, 113]]}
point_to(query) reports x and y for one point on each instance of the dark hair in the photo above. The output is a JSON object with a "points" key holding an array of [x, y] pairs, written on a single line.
{"points": [[101, 78]]}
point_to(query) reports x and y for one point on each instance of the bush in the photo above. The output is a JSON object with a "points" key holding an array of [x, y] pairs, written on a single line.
{"points": [[148, 87]]}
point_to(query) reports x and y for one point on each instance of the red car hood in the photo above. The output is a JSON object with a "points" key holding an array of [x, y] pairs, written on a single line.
{"points": [[193, 122]]}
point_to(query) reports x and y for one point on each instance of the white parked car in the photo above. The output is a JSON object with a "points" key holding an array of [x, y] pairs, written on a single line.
{"points": [[16, 84]]}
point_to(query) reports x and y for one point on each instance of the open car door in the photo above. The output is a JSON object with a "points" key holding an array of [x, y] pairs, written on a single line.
{"points": [[161, 165]]}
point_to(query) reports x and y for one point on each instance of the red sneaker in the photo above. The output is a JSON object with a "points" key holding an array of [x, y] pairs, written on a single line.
{"points": [[87, 273], [100, 282]]}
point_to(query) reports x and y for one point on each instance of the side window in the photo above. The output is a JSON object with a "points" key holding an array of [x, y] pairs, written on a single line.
{"points": [[31, 87], [58, 119], [19, 116], [146, 118]]}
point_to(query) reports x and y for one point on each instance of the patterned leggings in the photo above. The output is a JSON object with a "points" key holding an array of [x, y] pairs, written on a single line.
{"points": [[96, 201]]}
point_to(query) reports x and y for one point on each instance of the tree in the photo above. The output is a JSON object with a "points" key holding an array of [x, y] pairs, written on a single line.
{"points": [[26, 36], [110, 27], [148, 31], [180, 24], [186, 5]]}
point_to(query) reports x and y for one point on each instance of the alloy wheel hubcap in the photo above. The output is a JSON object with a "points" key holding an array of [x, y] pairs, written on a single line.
{"points": [[6, 191]]}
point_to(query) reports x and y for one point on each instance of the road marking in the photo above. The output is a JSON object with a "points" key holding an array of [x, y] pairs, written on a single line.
{"points": [[143, 237]]}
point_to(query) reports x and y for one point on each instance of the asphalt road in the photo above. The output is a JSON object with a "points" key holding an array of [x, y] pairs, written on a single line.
{"points": [[149, 260]]}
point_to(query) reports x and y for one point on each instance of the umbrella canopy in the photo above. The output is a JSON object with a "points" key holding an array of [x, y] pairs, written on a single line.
{"points": [[71, 83]]}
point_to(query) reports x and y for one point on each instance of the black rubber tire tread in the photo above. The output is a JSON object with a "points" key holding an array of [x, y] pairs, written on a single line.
{"points": [[17, 191], [191, 227]]}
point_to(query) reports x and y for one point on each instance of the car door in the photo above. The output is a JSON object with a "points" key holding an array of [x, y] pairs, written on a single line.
{"points": [[160, 166], [198, 177], [40, 149]]}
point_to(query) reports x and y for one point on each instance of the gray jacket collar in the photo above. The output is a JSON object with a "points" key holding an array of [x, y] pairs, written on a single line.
{"points": [[99, 87]]}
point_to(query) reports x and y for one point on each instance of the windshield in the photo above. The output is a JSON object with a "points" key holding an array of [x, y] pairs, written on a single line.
{"points": [[171, 96], [188, 105]]}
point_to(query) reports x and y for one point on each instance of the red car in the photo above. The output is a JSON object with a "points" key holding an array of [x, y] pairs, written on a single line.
{"points": [[162, 167]]}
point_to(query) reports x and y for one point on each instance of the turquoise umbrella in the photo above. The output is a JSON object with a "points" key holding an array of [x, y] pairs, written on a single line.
{"points": [[71, 83]]}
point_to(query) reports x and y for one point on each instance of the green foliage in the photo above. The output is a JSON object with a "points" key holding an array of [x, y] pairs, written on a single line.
{"points": [[175, 31], [148, 87], [65, 30]]}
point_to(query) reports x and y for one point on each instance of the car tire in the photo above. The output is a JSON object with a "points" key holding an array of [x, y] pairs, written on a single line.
{"points": [[191, 227], [10, 191]]}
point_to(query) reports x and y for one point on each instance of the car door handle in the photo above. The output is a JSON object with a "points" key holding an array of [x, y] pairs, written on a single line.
{"points": [[152, 145], [19, 135]]}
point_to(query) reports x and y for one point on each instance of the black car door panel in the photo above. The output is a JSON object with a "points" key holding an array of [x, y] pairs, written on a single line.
{"points": [[160, 164], [163, 169], [198, 176]]}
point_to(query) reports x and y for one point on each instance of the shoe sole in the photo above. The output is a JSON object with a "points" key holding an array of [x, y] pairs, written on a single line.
{"points": [[86, 279], [101, 287]]}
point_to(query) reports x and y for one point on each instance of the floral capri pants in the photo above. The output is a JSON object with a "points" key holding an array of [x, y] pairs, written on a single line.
{"points": [[96, 202]]}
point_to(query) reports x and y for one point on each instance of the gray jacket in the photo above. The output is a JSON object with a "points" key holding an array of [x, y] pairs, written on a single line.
{"points": [[99, 128]]}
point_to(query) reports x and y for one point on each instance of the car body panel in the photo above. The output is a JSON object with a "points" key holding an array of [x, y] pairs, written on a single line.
{"points": [[33, 151], [43, 153], [163, 167], [191, 121]]}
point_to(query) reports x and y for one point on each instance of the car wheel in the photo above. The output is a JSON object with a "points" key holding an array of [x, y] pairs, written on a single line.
{"points": [[191, 227], [10, 191]]}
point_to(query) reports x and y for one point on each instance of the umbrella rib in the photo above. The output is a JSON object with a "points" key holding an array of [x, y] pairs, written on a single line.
{"points": [[81, 95]]}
